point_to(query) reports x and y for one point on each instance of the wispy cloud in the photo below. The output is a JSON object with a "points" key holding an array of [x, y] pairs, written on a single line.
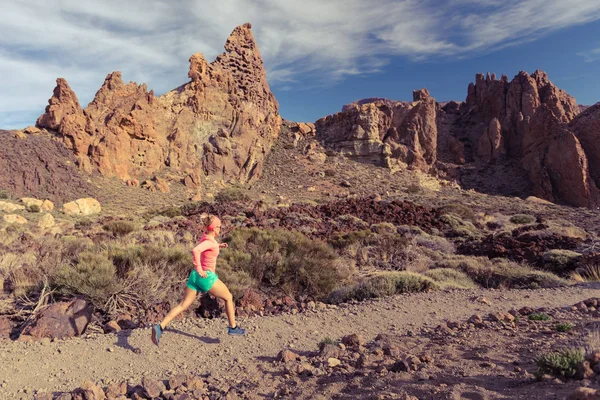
{"points": [[327, 41], [591, 55]]}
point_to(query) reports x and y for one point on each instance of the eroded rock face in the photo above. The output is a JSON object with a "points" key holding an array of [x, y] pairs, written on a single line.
{"points": [[400, 130], [223, 122], [586, 127], [527, 123]]}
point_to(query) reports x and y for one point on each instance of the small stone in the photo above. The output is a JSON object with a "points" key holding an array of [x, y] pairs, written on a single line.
{"points": [[333, 362], [354, 340]]}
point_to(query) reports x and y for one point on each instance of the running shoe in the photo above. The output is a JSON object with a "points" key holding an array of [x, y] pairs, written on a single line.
{"points": [[237, 331], [156, 334]]}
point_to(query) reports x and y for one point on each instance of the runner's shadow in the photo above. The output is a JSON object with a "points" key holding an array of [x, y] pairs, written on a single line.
{"points": [[123, 340], [205, 339]]}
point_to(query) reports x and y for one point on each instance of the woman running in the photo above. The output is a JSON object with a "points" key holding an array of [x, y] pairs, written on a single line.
{"points": [[204, 279]]}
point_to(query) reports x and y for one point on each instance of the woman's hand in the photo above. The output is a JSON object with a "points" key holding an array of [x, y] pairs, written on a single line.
{"points": [[202, 273], [223, 246]]}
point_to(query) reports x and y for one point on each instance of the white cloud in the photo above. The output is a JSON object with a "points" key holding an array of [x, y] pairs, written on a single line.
{"points": [[591, 55], [151, 41]]}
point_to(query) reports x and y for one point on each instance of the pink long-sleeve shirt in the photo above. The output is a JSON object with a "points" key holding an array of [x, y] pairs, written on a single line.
{"points": [[205, 254]]}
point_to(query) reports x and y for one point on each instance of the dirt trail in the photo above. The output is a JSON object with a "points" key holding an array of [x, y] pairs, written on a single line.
{"points": [[202, 346]]}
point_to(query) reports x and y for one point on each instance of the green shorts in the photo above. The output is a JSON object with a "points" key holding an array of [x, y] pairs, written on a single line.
{"points": [[200, 284]]}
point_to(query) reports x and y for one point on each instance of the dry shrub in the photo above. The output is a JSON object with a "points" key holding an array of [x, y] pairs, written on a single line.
{"points": [[561, 261], [460, 210], [366, 248], [287, 260], [522, 219], [93, 276], [448, 278], [435, 243], [381, 285], [160, 238], [461, 228], [176, 259], [119, 228], [501, 273], [232, 194]]}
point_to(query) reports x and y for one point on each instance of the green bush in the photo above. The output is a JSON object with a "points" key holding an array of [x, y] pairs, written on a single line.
{"points": [[4, 195], [460, 228], [176, 259], [385, 284], [326, 340], [564, 327], [233, 194], [561, 261], [522, 219], [563, 363], [93, 275], [287, 260], [119, 228], [171, 212], [34, 208], [83, 224], [539, 317]]}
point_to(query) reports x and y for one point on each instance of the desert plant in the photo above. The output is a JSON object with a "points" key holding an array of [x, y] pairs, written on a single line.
{"points": [[34, 208], [119, 228], [539, 317], [171, 212], [563, 363], [561, 261], [564, 327], [326, 341], [458, 209], [501, 273], [287, 260], [451, 278], [4, 195], [522, 219], [384, 251], [176, 259], [587, 273], [381, 285], [232, 194], [435, 243], [460, 228], [93, 276], [83, 224], [414, 188], [383, 228]]}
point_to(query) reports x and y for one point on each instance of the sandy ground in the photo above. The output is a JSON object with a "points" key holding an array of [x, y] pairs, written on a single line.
{"points": [[203, 346]]}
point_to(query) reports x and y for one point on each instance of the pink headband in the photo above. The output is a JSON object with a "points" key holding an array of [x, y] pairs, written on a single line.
{"points": [[215, 223]]}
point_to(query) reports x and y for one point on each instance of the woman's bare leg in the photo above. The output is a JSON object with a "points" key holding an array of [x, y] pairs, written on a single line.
{"points": [[220, 290], [188, 299]]}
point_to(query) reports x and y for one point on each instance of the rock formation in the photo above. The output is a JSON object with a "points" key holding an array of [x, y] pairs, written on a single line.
{"points": [[403, 131], [223, 122], [527, 120]]}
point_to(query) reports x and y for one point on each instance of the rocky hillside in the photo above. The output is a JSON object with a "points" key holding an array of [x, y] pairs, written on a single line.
{"points": [[223, 122], [527, 131]]}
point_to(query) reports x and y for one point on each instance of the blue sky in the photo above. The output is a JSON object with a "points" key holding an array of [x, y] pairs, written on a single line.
{"points": [[319, 55]]}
